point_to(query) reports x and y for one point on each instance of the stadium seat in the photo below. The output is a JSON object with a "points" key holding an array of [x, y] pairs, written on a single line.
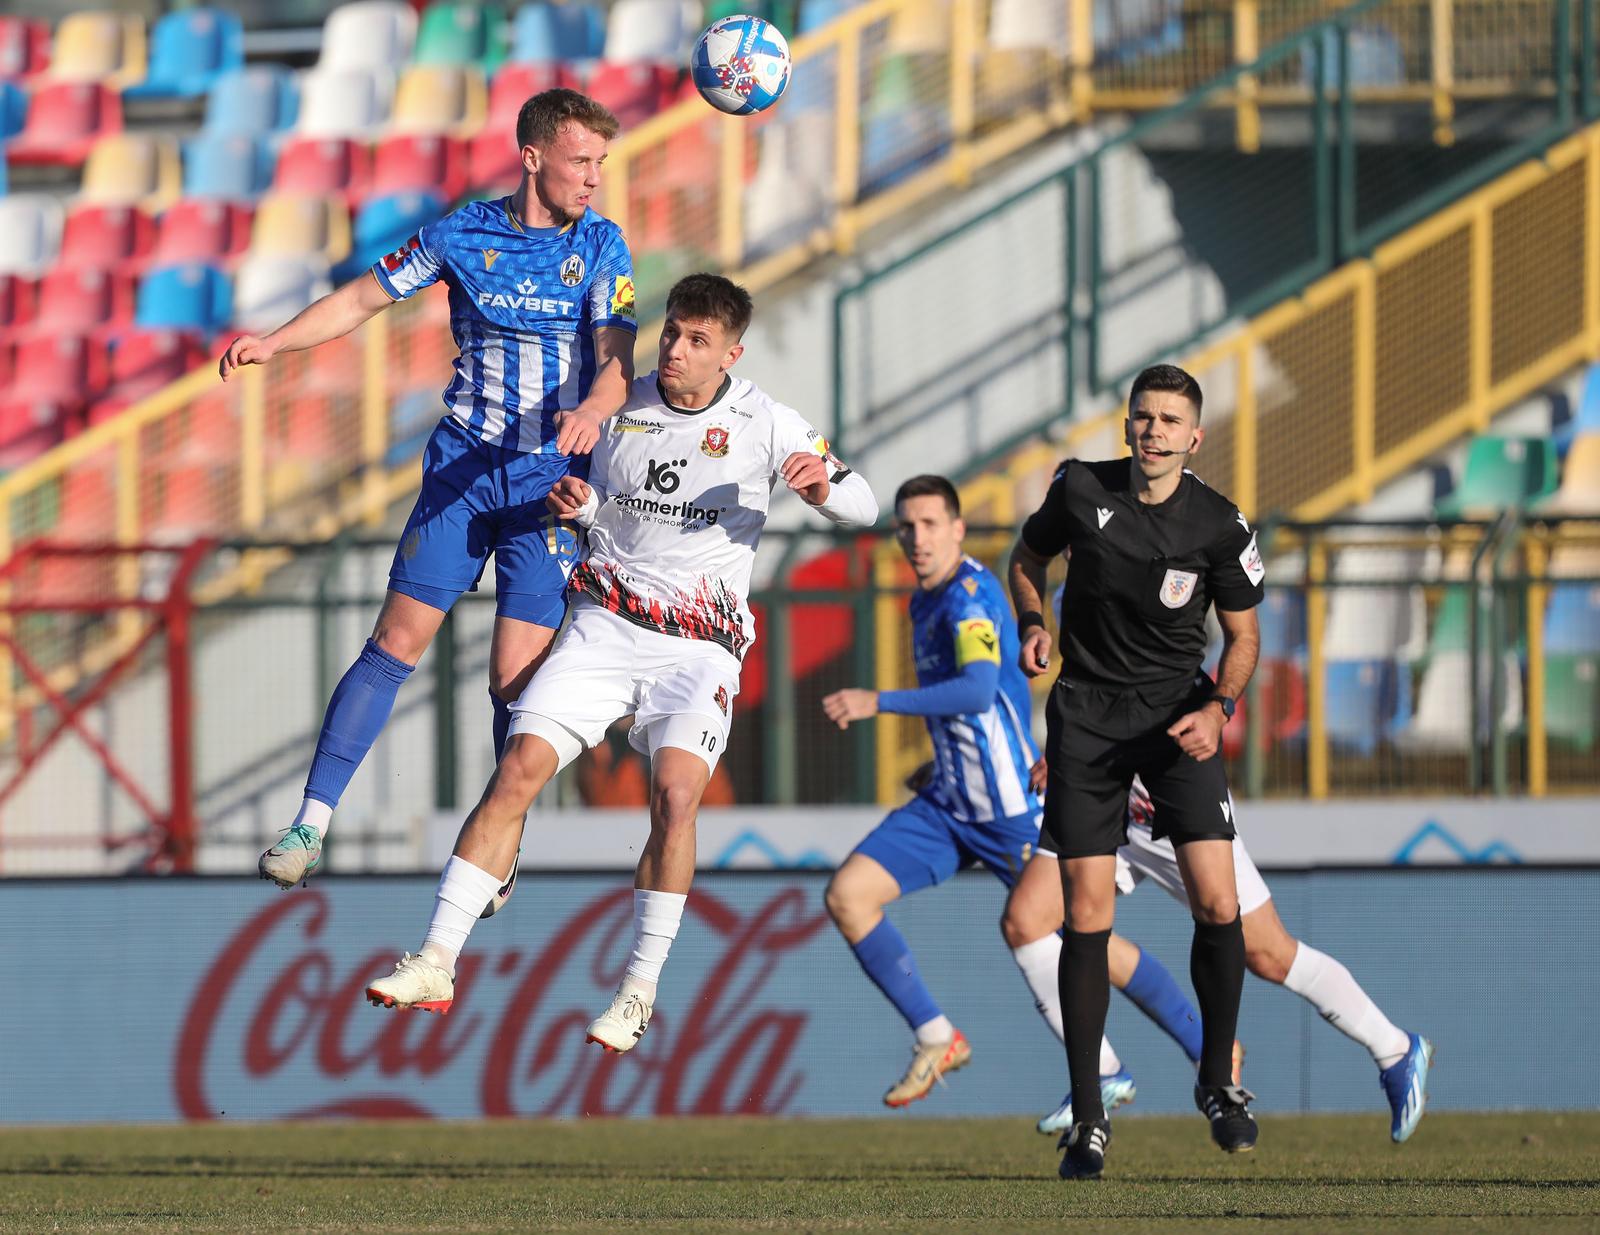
{"points": [[718, 9], [99, 46], [324, 165], [440, 98], [420, 163], [17, 296], [289, 224], [125, 169], [192, 296], [558, 33], [1375, 622], [1572, 700], [13, 110], [368, 34], [633, 92], [187, 499], [493, 160], [64, 120], [24, 48], [188, 50], [257, 100], [30, 232], [142, 361], [28, 428], [1501, 473], [1443, 719], [1282, 617], [1376, 58], [1572, 619], [652, 31], [217, 165], [269, 290], [1579, 493], [81, 301], [199, 229], [1364, 703], [106, 236], [65, 369], [345, 102], [386, 223], [461, 32], [815, 14]]}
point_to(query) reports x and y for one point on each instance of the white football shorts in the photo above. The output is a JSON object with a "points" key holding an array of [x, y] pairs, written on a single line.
{"points": [[603, 667]]}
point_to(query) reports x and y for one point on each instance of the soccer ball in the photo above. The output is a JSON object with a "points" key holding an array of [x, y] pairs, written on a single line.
{"points": [[740, 65]]}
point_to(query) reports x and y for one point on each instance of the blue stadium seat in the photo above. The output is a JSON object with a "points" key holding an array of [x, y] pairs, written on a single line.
{"points": [[557, 33], [1375, 58], [383, 225], [219, 165], [1572, 621], [192, 296], [188, 50], [258, 100], [1586, 418], [814, 14], [1282, 616], [13, 109], [1366, 701]]}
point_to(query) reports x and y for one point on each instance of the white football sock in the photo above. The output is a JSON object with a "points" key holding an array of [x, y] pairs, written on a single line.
{"points": [[1327, 985], [464, 889], [939, 1029], [1039, 962], [315, 815], [656, 917]]}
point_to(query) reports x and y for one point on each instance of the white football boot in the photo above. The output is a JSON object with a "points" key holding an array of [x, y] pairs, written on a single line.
{"points": [[622, 1024], [415, 983]]}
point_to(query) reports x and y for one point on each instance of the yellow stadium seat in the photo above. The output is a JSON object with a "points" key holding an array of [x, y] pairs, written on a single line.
{"points": [[441, 98], [99, 46], [1579, 493], [301, 224], [133, 169]]}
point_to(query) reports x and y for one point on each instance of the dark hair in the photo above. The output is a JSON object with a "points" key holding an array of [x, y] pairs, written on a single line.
{"points": [[930, 486], [1167, 377], [710, 297], [540, 120]]}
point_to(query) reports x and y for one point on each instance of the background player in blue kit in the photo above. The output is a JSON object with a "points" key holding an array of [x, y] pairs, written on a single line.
{"points": [[977, 804], [542, 310]]}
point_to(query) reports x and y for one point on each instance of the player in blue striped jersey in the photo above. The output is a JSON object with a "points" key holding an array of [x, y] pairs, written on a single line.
{"points": [[975, 805], [542, 310]]}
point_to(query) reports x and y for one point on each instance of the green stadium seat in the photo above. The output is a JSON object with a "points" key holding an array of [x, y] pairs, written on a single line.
{"points": [[461, 33], [1502, 472], [1572, 700], [718, 9]]}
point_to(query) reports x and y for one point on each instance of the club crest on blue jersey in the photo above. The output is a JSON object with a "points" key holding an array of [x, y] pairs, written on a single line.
{"points": [[572, 271]]}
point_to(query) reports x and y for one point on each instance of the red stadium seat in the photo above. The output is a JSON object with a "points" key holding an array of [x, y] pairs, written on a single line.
{"points": [[66, 369], [64, 120], [191, 498], [143, 361], [17, 300], [200, 229], [24, 47], [88, 504], [324, 165], [492, 157], [414, 162], [105, 236], [78, 301], [633, 92], [30, 420]]}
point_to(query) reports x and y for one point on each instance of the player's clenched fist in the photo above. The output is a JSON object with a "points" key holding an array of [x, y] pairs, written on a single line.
{"points": [[852, 703], [567, 497], [807, 475], [1035, 657], [246, 349]]}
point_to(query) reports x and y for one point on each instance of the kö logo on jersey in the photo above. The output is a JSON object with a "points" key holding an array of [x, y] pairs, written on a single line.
{"points": [[572, 271], [661, 476], [715, 443]]}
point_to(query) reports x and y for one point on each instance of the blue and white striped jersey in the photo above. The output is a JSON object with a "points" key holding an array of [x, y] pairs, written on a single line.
{"points": [[524, 305], [981, 760]]}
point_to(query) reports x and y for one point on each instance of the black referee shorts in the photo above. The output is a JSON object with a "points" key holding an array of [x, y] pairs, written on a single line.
{"points": [[1097, 738]]}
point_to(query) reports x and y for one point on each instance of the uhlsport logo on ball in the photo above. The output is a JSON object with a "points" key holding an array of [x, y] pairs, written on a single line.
{"points": [[740, 65]]}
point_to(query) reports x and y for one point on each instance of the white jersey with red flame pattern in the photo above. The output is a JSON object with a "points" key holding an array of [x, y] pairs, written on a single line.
{"points": [[683, 496]]}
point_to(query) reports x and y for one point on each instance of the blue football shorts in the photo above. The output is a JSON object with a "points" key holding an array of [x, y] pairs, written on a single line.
{"points": [[478, 499], [922, 844]]}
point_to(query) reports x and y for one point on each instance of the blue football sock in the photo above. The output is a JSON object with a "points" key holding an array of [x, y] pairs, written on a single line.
{"points": [[889, 963], [502, 724], [356, 715], [1159, 997]]}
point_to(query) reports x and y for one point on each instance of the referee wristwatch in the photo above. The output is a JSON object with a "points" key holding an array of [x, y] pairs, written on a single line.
{"points": [[1228, 705]]}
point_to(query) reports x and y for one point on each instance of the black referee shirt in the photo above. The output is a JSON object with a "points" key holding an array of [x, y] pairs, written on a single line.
{"points": [[1140, 576]]}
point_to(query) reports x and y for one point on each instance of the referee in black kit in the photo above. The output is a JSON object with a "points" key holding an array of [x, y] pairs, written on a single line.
{"points": [[1150, 548]]}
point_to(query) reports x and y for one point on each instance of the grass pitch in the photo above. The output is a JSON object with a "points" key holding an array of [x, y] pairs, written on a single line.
{"points": [[1332, 1173]]}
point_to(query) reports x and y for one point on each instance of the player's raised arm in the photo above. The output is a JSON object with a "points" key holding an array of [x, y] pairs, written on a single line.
{"points": [[332, 317], [578, 430]]}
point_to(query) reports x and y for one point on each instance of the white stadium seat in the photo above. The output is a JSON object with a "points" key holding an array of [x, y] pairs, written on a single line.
{"points": [[652, 31], [369, 34], [269, 290], [30, 232], [345, 102]]}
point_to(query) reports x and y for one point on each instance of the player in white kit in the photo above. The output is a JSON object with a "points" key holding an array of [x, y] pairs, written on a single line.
{"points": [[675, 503]]}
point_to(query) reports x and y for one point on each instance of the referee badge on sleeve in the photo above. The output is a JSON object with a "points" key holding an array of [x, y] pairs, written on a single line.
{"points": [[1177, 587], [1250, 561]]}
